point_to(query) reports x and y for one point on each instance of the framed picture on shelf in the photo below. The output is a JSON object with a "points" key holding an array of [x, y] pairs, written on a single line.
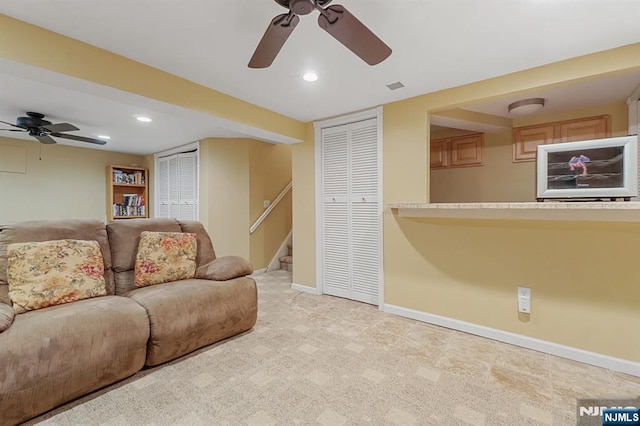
{"points": [[598, 168]]}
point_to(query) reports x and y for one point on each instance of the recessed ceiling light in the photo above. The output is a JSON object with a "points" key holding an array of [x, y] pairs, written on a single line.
{"points": [[144, 119], [310, 76], [105, 137]]}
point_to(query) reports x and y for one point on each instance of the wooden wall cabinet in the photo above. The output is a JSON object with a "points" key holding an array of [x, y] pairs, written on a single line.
{"points": [[439, 153], [127, 192], [461, 151], [526, 139]]}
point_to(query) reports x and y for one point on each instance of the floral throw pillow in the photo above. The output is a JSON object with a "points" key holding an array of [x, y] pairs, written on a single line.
{"points": [[165, 256], [47, 273]]}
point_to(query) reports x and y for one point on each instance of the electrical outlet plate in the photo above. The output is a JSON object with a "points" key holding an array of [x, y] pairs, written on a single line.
{"points": [[524, 300]]}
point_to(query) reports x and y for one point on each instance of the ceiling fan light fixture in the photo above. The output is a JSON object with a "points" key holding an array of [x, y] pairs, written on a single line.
{"points": [[526, 106], [310, 76], [144, 119]]}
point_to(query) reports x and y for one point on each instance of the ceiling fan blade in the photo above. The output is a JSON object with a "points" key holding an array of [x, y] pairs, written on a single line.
{"points": [[273, 39], [12, 125], [44, 138], [79, 138], [61, 127], [353, 34], [12, 130]]}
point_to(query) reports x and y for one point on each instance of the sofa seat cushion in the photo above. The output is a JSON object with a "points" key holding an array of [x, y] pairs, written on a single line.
{"points": [[53, 355], [189, 314], [47, 273]]}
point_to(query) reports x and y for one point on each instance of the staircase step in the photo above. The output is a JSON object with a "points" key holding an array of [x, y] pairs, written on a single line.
{"points": [[286, 263]]}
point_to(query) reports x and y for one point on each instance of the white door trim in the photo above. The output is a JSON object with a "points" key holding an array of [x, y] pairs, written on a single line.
{"points": [[333, 122]]}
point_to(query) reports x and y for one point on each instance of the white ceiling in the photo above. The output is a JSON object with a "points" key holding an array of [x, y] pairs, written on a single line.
{"points": [[436, 45]]}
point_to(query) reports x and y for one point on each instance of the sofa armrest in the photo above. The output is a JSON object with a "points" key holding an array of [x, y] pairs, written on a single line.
{"points": [[6, 316], [225, 268]]}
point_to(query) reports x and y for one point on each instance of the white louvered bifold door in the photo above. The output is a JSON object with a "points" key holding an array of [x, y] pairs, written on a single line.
{"points": [[188, 196], [351, 221], [163, 188], [365, 220], [335, 211], [174, 186]]}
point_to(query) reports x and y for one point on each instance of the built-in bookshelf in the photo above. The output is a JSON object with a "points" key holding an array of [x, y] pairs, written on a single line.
{"points": [[127, 192]]}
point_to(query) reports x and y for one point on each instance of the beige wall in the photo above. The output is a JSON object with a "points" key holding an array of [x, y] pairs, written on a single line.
{"points": [[583, 296], [67, 182], [224, 194], [236, 176], [499, 179], [304, 213], [269, 173]]}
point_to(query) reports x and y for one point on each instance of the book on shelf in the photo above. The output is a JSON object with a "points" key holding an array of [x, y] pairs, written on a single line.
{"points": [[132, 205], [135, 178]]}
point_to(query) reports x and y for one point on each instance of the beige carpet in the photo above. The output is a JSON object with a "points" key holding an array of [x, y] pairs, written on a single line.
{"points": [[320, 360]]}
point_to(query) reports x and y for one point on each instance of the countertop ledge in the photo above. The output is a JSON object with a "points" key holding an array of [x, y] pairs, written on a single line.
{"points": [[612, 211]]}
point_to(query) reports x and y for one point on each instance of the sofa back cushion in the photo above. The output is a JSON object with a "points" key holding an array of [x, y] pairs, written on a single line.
{"points": [[206, 253], [46, 230], [48, 273], [164, 257], [124, 238]]}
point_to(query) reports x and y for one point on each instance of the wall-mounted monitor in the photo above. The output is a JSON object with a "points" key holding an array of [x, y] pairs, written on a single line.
{"points": [[598, 169]]}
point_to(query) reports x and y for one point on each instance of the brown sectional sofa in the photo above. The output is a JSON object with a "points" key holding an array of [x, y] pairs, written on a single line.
{"points": [[53, 355]]}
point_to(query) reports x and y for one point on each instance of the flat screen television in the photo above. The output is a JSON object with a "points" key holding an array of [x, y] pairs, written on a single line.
{"points": [[597, 169]]}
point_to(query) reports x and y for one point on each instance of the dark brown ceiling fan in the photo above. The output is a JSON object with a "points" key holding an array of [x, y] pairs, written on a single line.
{"points": [[43, 130], [336, 20]]}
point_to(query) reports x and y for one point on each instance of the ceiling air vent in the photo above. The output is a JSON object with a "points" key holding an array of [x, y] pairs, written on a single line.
{"points": [[396, 85]]}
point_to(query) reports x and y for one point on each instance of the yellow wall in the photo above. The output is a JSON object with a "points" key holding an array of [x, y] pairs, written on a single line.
{"points": [[224, 194], [584, 293], [304, 213], [68, 181], [236, 175], [269, 173], [499, 179]]}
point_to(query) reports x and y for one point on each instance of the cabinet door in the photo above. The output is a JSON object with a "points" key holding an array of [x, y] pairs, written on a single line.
{"points": [[586, 129], [439, 153], [527, 139], [466, 151]]}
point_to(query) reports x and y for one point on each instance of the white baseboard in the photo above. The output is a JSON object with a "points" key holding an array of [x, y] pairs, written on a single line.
{"points": [[258, 272], [304, 288], [592, 358]]}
